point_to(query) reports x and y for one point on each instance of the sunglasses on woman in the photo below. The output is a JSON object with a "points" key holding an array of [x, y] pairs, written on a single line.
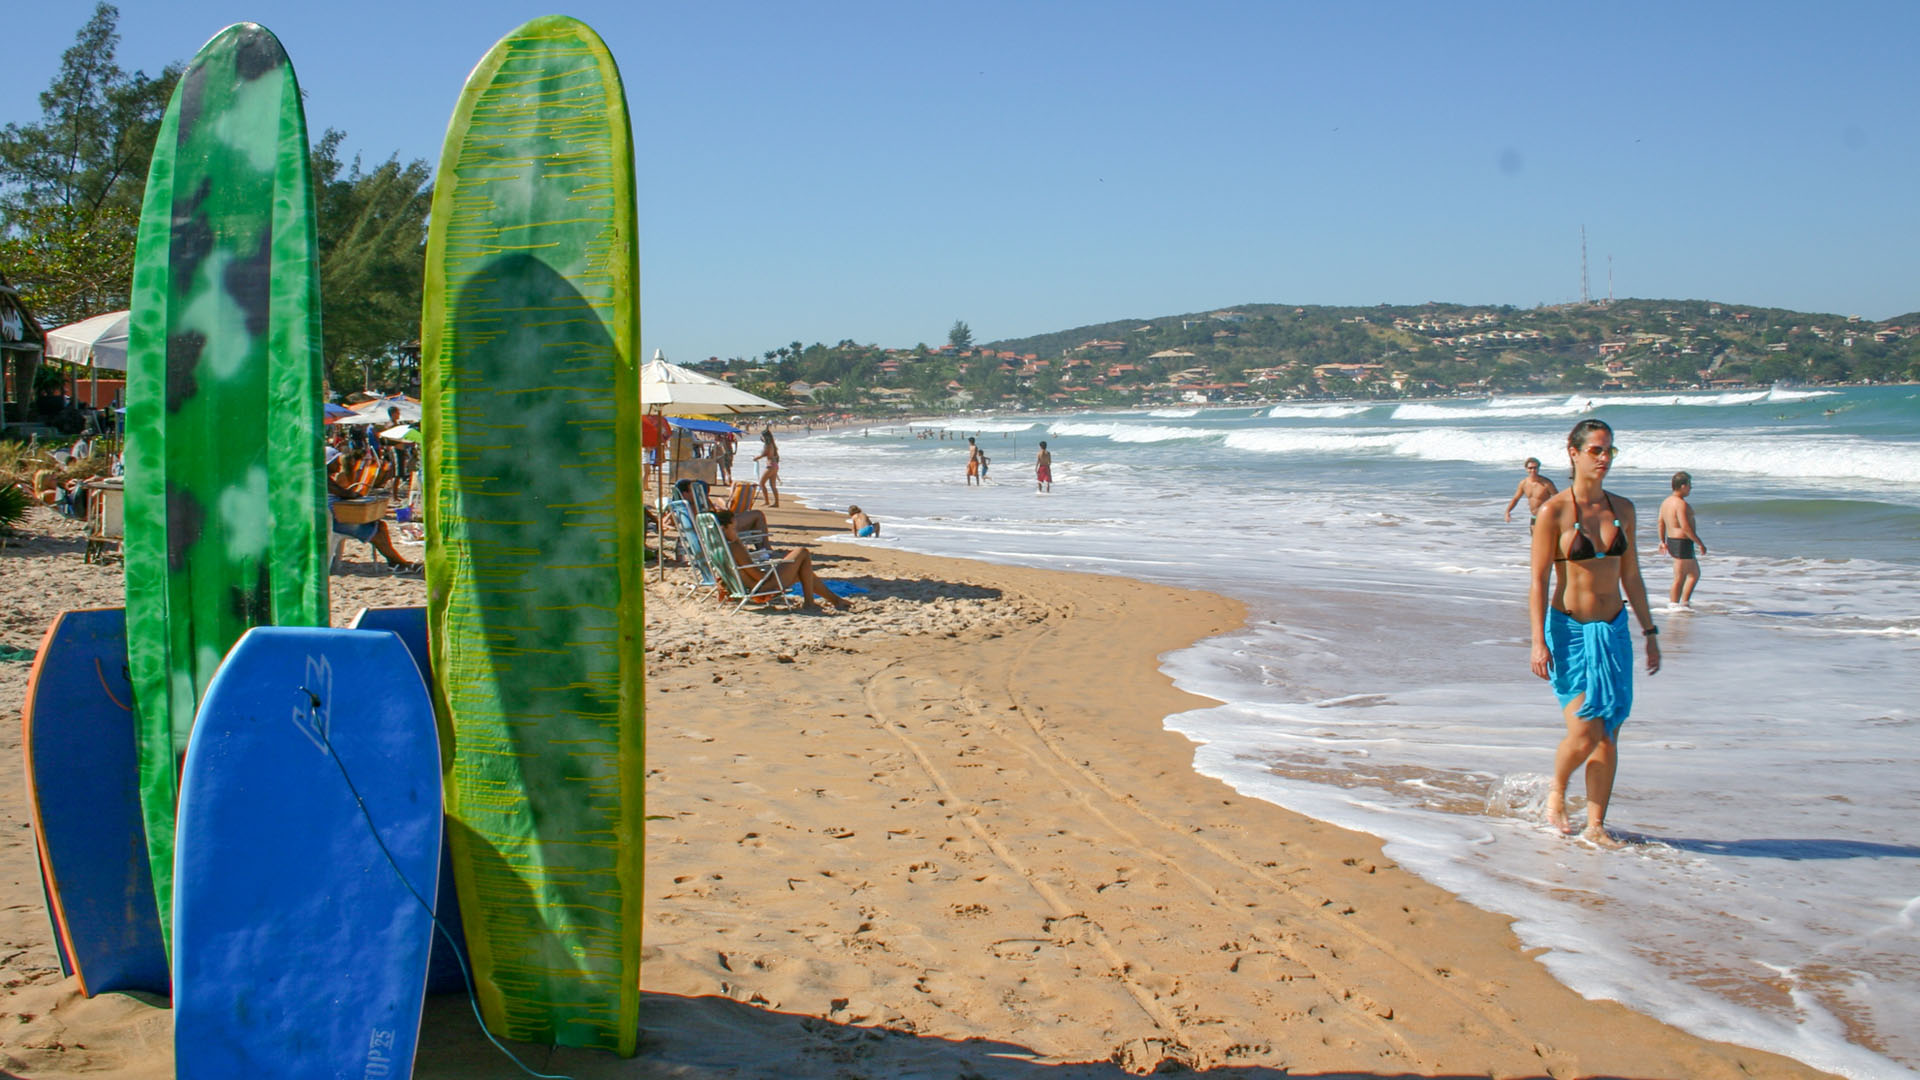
{"points": [[1599, 451]]}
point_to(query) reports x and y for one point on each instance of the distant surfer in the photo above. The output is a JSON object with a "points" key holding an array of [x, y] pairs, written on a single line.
{"points": [[1679, 537], [1534, 488], [1583, 557]]}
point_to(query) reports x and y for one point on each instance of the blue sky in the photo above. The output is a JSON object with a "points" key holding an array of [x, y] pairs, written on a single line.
{"points": [[875, 171]]}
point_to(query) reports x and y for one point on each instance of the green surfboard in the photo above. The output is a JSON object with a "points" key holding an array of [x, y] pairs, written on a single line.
{"points": [[225, 506], [529, 340]]}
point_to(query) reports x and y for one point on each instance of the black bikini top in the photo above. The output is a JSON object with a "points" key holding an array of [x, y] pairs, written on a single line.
{"points": [[1581, 548]]}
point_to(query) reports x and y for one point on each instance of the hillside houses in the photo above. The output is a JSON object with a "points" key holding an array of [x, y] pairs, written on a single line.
{"points": [[1487, 339], [1264, 352], [1454, 324]]}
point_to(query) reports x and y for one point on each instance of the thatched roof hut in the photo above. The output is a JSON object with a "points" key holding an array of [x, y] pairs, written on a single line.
{"points": [[21, 344]]}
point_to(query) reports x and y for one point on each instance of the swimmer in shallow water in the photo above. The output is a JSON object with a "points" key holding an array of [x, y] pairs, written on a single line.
{"points": [[1678, 537], [1534, 488], [1583, 558]]}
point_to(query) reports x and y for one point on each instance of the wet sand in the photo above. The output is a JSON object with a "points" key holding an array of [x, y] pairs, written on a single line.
{"points": [[945, 835]]}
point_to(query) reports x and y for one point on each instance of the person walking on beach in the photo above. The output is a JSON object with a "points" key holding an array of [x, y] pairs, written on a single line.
{"points": [[1534, 488], [1043, 469], [770, 473], [1583, 558], [973, 461], [1678, 538]]}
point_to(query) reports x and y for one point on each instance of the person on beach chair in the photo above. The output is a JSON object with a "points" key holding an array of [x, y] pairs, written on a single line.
{"points": [[373, 533], [750, 524], [792, 567]]}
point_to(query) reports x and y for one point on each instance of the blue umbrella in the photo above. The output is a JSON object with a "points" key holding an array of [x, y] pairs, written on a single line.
{"points": [[714, 426]]}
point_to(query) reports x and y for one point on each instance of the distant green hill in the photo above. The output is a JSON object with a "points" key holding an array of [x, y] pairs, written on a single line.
{"points": [[1437, 347], [1255, 351]]}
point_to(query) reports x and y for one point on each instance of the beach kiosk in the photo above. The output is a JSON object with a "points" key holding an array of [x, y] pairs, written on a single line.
{"points": [[21, 345]]}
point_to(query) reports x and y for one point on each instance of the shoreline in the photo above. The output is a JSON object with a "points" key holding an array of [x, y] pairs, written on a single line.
{"points": [[949, 833]]}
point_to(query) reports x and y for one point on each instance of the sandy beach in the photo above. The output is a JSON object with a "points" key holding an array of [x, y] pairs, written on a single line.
{"points": [[946, 835]]}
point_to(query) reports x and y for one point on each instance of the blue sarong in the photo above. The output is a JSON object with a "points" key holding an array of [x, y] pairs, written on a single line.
{"points": [[1595, 659]]}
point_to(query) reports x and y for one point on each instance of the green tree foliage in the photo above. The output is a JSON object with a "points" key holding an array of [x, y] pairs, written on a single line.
{"points": [[71, 265], [70, 185], [960, 336], [1440, 348], [373, 246]]}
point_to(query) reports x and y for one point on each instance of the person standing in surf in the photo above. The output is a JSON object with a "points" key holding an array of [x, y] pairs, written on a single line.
{"points": [[769, 473], [1583, 559], [973, 461], [1678, 538], [1534, 488], [1043, 469]]}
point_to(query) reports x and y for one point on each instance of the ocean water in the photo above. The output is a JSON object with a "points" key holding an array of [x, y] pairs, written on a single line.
{"points": [[1768, 773]]}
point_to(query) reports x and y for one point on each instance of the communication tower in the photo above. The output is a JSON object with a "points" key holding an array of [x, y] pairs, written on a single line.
{"points": [[1584, 297]]}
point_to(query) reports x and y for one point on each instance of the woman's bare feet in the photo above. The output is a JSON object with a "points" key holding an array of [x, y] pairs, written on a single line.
{"points": [[1597, 835], [1557, 813]]}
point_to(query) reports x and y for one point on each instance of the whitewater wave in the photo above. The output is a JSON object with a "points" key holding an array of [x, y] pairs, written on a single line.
{"points": [[1515, 408], [1316, 412], [965, 424], [1176, 414], [1128, 433], [1806, 457]]}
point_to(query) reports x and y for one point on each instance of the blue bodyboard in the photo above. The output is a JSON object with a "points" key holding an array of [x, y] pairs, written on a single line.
{"points": [[83, 789], [446, 972], [307, 853]]}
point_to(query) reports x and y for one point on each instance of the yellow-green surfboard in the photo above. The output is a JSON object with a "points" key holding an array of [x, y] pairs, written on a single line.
{"points": [[529, 341]]}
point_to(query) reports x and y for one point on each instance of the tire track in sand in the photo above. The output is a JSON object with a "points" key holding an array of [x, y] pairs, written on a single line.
{"points": [[1073, 773], [1160, 965]]}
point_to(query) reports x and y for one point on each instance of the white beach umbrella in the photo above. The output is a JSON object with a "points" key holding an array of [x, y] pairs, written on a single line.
{"points": [[375, 411], [101, 340], [671, 390], [97, 343]]}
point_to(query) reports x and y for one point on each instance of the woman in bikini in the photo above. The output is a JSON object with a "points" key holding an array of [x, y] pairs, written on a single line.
{"points": [[1583, 558], [793, 567], [770, 473]]}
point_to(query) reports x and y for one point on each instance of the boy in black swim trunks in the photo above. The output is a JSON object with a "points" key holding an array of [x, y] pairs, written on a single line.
{"points": [[1678, 538]]}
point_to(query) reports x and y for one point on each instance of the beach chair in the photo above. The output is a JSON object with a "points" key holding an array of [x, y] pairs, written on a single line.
{"points": [[350, 512], [694, 494], [687, 540], [699, 496], [741, 497], [765, 584]]}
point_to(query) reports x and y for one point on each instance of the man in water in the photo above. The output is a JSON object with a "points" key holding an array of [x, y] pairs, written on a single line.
{"points": [[1536, 489], [1678, 538], [973, 461], [1043, 470]]}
